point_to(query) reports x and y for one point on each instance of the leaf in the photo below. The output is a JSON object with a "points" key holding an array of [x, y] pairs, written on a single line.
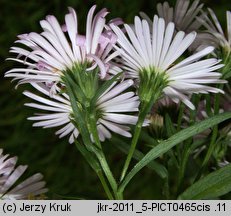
{"points": [[70, 81], [177, 138], [213, 185], [138, 155], [104, 87], [92, 161]]}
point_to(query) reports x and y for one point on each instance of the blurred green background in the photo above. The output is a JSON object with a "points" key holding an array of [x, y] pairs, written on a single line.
{"points": [[64, 169]]}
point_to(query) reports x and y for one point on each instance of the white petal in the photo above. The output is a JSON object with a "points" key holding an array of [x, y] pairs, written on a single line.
{"points": [[194, 57], [121, 118], [115, 91], [115, 128], [13, 178]]}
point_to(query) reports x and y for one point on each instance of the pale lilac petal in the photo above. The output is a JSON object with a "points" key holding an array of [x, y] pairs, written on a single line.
{"points": [[115, 128]]}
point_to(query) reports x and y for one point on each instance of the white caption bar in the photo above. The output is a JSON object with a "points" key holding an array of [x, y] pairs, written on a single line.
{"points": [[114, 208]]}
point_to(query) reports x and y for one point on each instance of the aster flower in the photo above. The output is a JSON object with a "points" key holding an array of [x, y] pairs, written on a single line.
{"points": [[214, 31], [156, 125], [155, 52], [9, 174], [112, 107], [58, 108], [49, 54], [183, 15]]}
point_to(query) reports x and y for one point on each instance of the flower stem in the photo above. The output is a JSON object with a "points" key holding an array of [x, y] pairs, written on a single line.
{"points": [[180, 117], [151, 86], [101, 157], [187, 146], [105, 185], [92, 161], [103, 162], [120, 195], [213, 139], [141, 118], [84, 114], [183, 165]]}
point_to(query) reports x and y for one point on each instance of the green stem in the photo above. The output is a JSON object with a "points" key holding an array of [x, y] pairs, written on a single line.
{"points": [[151, 85], [92, 161], [84, 115], [101, 158], [168, 144], [105, 185], [209, 152], [120, 195], [208, 105], [141, 118], [166, 191], [93, 129], [107, 172], [182, 167], [187, 146], [179, 124], [100, 155], [211, 146], [213, 139], [180, 116]]}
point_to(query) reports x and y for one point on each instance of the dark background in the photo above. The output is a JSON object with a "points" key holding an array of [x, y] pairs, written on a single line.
{"points": [[66, 173]]}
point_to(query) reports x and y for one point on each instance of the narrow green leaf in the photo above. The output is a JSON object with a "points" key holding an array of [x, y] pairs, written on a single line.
{"points": [[213, 185], [73, 85], [166, 145], [104, 87], [138, 155], [90, 158]]}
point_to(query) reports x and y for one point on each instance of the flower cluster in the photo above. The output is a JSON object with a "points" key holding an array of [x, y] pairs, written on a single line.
{"points": [[184, 15], [113, 79], [110, 104], [150, 55], [32, 187], [215, 34], [52, 54], [156, 50]]}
